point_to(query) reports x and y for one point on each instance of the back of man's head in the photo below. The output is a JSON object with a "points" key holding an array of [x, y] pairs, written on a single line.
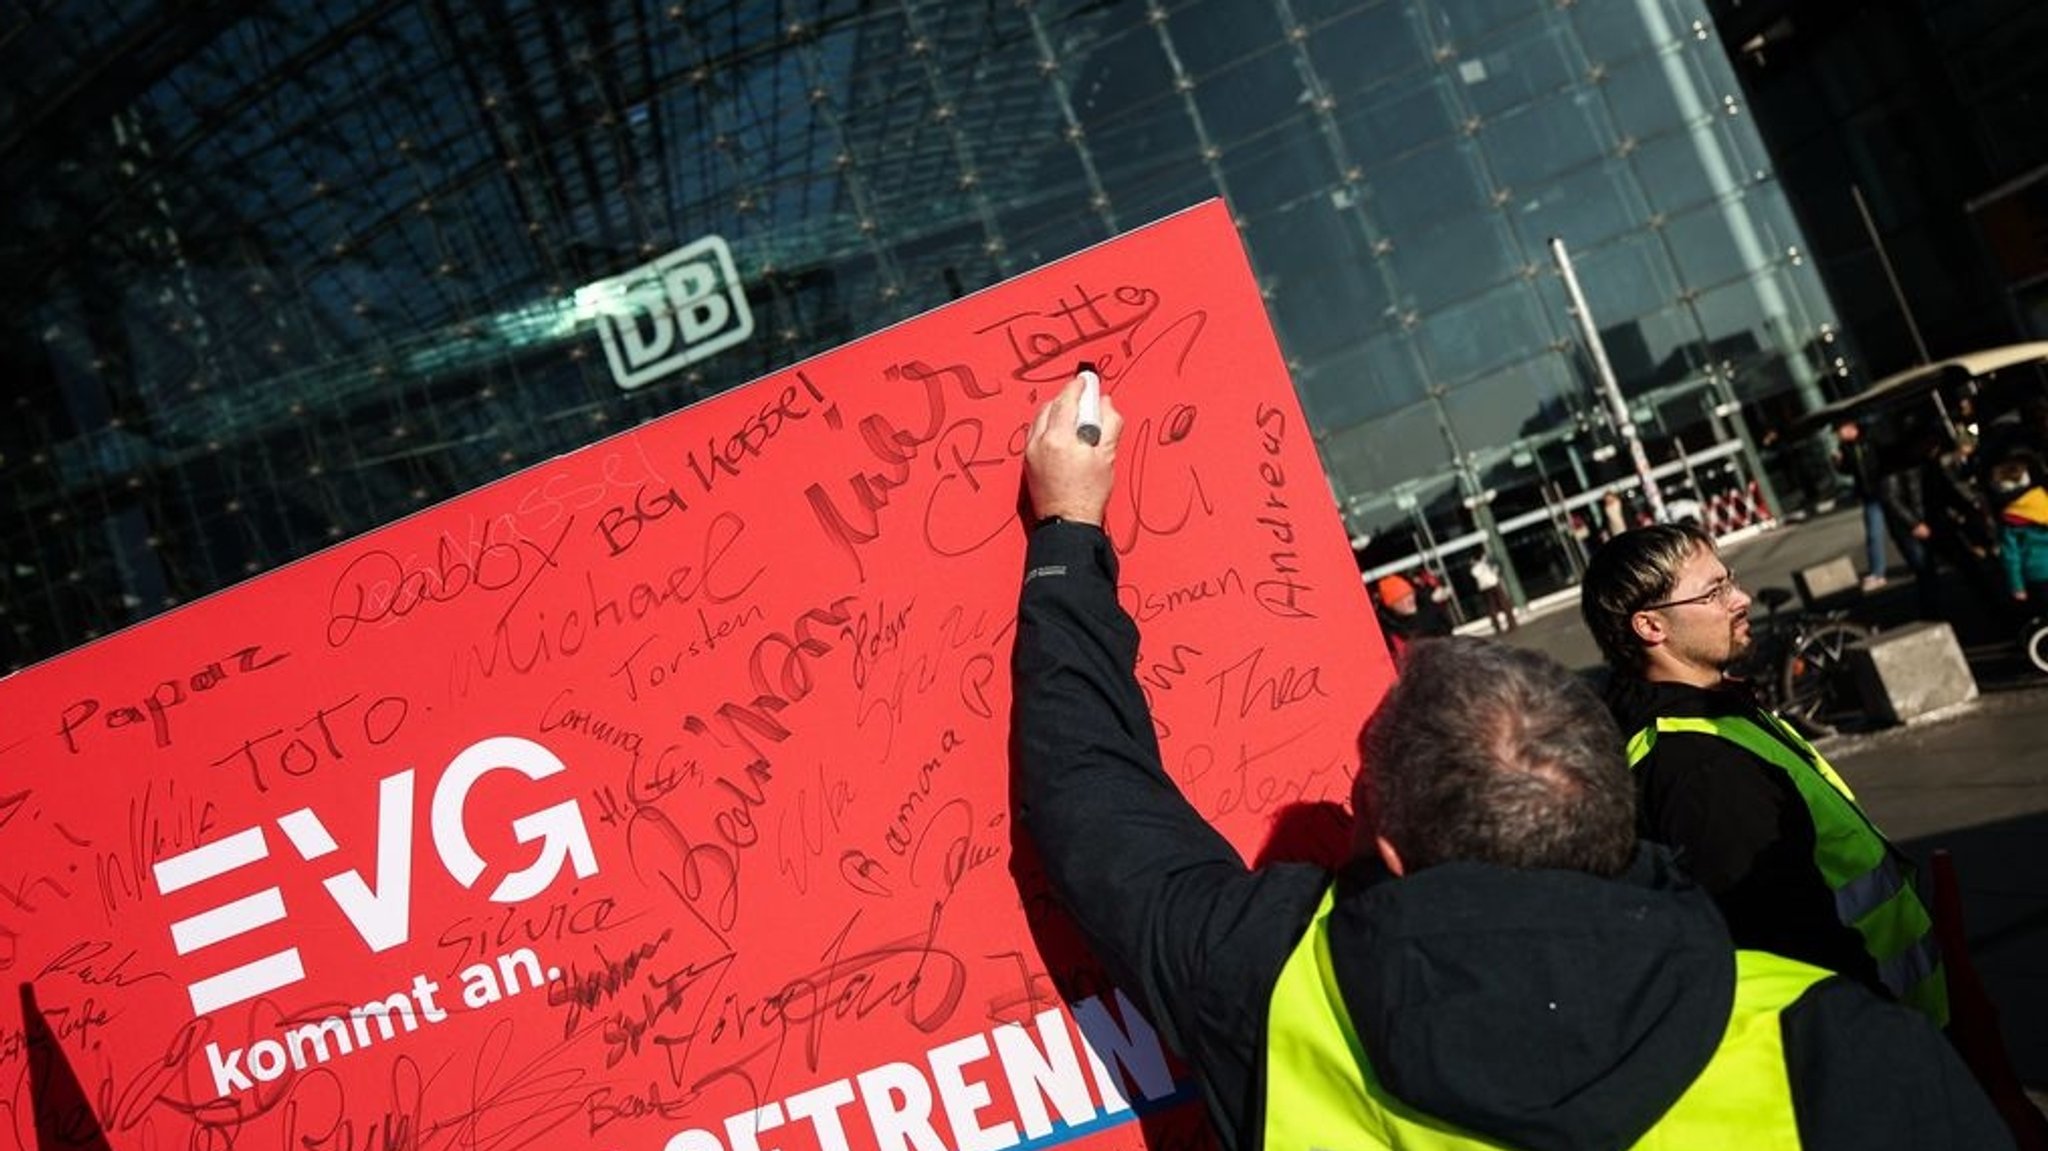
{"points": [[1490, 754], [1629, 571]]}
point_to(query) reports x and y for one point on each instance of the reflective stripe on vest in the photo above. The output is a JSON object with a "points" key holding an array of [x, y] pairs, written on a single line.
{"points": [[1322, 1095], [1871, 882]]}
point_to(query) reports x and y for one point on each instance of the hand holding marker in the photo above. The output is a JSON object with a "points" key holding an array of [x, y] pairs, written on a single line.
{"points": [[1088, 416]]}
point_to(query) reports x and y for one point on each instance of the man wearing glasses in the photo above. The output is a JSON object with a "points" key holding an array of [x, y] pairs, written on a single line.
{"points": [[1758, 817]]}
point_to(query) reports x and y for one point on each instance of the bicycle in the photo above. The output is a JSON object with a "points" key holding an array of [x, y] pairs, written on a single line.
{"points": [[1800, 663], [2034, 643]]}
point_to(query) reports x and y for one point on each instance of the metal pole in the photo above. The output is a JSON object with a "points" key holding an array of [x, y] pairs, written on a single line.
{"points": [[1884, 258], [1692, 478], [1433, 560], [1609, 387], [1560, 524]]}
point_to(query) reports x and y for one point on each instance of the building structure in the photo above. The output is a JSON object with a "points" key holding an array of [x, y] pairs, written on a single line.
{"points": [[1932, 111], [281, 272]]}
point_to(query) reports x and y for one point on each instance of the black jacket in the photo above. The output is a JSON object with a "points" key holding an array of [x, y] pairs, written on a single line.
{"points": [[1932, 492], [1738, 825], [1546, 1009], [1860, 463], [1427, 621]]}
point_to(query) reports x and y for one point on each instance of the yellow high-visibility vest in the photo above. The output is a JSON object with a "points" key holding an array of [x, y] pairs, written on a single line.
{"points": [[1322, 1094], [1872, 883]]}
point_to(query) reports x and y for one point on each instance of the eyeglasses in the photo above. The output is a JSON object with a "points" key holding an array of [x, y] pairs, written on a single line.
{"points": [[1720, 594]]}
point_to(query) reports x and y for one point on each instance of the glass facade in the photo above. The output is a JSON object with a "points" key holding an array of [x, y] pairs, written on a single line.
{"points": [[282, 272]]}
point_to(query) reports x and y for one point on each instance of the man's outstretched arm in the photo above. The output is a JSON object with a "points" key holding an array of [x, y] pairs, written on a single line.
{"points": [[1143, 875]]}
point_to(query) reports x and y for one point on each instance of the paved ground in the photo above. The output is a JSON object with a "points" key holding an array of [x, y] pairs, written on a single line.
{"points": [[1974, 781]]}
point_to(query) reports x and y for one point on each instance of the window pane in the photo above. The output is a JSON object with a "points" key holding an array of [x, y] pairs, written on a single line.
{"points": [[1655, 94], [1613, 31], [1454, 261], [1646, 350], [1050, 226], [1472, 338], [1683, 169], [1146, 160], [1372, 379], [1373, 457], [1398, 118], [1628, 277], [1712, 61], [1772, 216], [1585, 207], [1212, 34], [1367, 47], [1411, 194], [1749, 326], [1279, 168], [1524, 399], [1716, 244], [1745, 146], [1656, 350], [1814, 305], [1123, 76], [1250, 97], [1521, 66], [1325, 289], [1538, 142], [1464, 21]]}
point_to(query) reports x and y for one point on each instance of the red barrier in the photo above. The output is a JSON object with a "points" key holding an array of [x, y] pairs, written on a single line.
{"points": [[1973, 1019], [1759, 508]]}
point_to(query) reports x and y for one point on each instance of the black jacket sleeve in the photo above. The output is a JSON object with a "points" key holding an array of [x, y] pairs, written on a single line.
{"points": [[1742, 832], [1859, 463], [1905, 498], [1163, 899], [1866, 1073]]}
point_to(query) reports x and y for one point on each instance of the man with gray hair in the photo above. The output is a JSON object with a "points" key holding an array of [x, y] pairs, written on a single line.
{"points": [[1500, 963], [1758, 817]]}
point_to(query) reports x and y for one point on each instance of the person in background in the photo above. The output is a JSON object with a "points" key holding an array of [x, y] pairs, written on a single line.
{"points": [[1613, 516], [1857, 459], [1757, 816], [2020, 486], [1492, 595], [1406, 616], [1938, 518], [1500, 963]]}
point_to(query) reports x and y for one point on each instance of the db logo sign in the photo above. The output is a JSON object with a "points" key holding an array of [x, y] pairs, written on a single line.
{"points": [[381, 914], [662, 316]]}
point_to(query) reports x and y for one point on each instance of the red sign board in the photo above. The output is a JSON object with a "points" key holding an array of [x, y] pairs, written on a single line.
{"points": [[657, 797]]}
